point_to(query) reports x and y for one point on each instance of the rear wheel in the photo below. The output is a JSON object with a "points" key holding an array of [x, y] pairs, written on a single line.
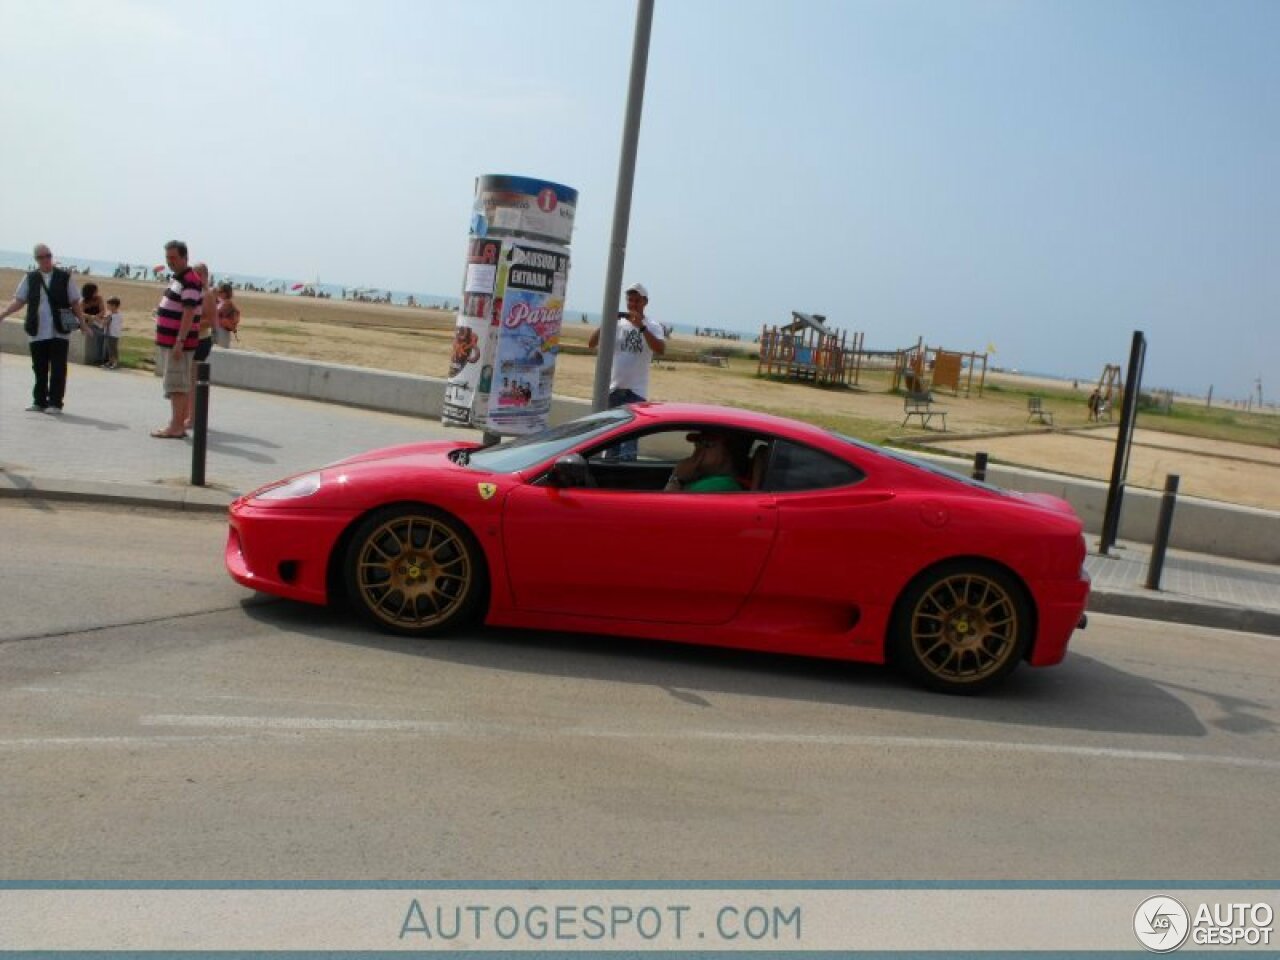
{"points": [[414, 571], [962, 627]]}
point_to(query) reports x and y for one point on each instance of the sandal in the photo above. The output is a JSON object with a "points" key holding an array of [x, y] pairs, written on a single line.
{"points": [[164, 434]]}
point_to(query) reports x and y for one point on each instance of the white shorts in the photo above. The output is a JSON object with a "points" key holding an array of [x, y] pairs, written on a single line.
{"points": [[177, 376]]}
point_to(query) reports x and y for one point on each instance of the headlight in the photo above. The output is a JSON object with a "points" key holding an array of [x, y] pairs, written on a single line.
{"points": [[303, 486]]}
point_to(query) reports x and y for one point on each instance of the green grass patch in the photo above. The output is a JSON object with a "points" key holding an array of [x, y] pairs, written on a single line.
{"points": [[1214, 423], [137, 353]]}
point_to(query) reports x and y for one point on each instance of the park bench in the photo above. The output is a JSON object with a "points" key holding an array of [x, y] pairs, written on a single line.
{"points": [[920, 404], [1036, 411]]}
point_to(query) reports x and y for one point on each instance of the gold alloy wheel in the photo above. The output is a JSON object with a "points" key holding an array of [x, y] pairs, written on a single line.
{"points": [[964, 628], [413, 572]]}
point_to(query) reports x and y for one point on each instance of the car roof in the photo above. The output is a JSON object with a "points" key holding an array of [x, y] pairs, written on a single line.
{"points": [[729, 417]]}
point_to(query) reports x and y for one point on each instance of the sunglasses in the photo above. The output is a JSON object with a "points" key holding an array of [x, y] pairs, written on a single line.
{"points": [[44, 256]]}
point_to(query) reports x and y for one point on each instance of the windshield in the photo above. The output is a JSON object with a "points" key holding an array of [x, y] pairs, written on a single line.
{"points": [[919, 464], [521, 453]]}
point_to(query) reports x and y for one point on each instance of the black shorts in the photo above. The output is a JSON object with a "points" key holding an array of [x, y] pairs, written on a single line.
{"points": [[204, 348]]}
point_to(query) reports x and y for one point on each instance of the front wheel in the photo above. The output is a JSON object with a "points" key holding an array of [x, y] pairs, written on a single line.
{"points": [[962, 627], [414, 571]]}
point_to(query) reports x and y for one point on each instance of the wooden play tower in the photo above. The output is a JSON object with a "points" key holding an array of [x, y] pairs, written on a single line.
{"points": [[807, 351]]}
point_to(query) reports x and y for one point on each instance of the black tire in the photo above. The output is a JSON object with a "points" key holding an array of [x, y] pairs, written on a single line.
{"points": [[414, 571], [961, 627]]}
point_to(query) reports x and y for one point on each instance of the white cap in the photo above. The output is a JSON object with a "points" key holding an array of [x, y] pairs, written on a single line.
{"points": [[638, 288]]}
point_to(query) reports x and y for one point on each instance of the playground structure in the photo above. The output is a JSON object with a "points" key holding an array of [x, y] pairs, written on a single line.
{"points": [[922, 369], [1108, 392], [807, 351]]}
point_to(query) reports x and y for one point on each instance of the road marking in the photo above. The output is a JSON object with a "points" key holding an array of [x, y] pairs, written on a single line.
{"points": [[39, 743], [319, 723], [221, 698], [513, 732]]}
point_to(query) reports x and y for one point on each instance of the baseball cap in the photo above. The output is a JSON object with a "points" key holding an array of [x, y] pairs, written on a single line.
{"points": [[638, 288]]}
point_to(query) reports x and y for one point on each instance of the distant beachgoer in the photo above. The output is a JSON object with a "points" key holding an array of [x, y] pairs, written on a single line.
{"points": [[115, 328], [177, 334], [1095, 405], [45, 291]]}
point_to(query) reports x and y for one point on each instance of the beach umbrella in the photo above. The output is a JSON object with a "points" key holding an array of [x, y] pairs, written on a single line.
{"points": [[297, 286]]}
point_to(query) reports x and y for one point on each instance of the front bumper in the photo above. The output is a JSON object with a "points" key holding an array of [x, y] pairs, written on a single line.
{"points": [[281, 551]]}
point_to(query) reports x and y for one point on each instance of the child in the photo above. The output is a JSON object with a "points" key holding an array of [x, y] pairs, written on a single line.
{"points": [[115, 326], [227, 317]]}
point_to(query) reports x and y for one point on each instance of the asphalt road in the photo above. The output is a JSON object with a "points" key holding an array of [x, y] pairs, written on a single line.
{"points": [[157, 722]]}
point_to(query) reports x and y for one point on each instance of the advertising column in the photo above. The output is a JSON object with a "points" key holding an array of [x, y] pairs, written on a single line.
{"points": [[507, 335]]}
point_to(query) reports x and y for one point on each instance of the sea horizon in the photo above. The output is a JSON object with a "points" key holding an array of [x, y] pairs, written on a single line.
{"points": [[291, 286]]}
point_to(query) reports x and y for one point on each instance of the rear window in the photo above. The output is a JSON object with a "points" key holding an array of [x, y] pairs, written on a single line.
{"points": [[925, 465], [793, 467]]}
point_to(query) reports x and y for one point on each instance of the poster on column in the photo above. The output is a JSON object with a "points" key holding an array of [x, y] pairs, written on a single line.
{"points": [[472, 354], [528, 337]]}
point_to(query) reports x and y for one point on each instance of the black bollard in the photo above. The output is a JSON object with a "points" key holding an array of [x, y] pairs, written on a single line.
{"points": [[1167, 503], [980, 466], [200, 424]]}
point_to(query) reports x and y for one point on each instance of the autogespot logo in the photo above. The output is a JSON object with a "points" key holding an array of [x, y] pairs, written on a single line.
{"points": [[1161, 924]]}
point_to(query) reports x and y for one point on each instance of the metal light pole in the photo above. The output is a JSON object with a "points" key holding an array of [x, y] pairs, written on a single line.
{"points": [[622, 205], [1124, 441]]}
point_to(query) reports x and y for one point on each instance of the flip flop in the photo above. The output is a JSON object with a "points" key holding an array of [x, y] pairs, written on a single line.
{"points": [[166, 435]]}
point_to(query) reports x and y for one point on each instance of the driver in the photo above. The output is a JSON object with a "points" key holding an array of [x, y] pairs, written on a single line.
{"points": [[713, 467]]}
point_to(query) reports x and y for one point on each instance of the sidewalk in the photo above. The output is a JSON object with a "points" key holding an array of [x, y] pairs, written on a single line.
{"points": [[100, 448]]}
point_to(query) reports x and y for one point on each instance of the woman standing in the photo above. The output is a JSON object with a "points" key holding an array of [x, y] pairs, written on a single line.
{"points": [[227, 319], [206, 318], [95, 311]]}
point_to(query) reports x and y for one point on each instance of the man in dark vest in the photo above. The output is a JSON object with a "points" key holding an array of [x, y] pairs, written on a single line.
{"points": [[45, 291]]}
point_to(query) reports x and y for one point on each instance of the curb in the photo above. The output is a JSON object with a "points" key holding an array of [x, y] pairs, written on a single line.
{"points": [[1154, 605], [158, 495]]}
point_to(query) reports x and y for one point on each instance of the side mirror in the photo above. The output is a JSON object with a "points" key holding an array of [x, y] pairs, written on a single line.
{"points": [[570, 471]]}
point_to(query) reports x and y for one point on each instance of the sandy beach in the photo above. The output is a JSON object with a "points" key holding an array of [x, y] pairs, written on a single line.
{"points": [[417, 340]]}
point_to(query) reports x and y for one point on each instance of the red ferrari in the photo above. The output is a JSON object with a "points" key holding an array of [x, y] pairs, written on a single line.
{"points": [[813, 543]]}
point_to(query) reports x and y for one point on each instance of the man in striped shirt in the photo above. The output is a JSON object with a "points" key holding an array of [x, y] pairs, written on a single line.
{"points": [[177, 333]]}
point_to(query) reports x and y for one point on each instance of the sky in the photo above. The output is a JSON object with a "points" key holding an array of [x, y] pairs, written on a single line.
{"points": [[1042, 176]]}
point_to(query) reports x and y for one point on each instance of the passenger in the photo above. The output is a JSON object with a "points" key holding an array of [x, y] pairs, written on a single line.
{"points": [[713, 467]]}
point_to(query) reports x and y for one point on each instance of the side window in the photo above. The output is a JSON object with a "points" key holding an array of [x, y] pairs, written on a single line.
{"points": [[794, 466], [665, 446]]}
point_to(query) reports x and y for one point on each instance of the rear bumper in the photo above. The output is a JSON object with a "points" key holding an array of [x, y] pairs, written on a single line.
{"points": [[1061, 608]]}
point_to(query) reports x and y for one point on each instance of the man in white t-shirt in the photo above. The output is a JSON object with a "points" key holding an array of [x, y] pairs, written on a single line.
{"points": [[639, 337], [46, 291]]}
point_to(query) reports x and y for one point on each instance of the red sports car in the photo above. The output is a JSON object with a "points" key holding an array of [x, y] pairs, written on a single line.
{"points": [[812, 543]]}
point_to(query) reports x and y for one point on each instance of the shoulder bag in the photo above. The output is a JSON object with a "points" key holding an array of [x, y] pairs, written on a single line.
{"points": [[64, 318]]}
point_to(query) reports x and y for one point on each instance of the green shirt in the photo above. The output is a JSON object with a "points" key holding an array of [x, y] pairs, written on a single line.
{"points": [[720, 483]]}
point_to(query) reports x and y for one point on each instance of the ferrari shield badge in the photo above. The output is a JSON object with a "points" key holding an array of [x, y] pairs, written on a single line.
{"points": [[487, 490]]}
